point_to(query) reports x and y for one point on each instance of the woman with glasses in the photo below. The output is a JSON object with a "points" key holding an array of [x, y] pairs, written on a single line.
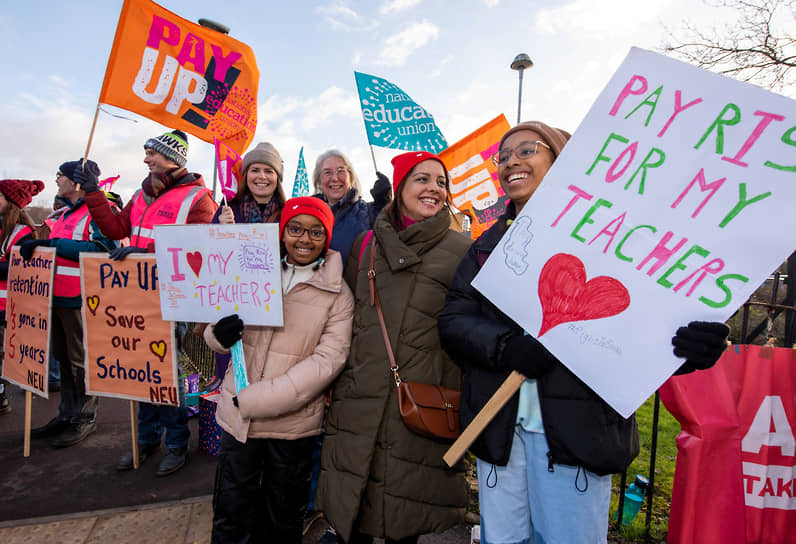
{"points": [[338, 185], [545, 460], [263, 474], [259, 199], [378, 478]]}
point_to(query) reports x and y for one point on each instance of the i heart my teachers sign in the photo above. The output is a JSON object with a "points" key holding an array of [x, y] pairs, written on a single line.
{"points": [[672, 202]]}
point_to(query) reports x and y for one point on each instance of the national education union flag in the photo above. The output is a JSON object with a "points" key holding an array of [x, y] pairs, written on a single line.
{"points": [[393, 119]]}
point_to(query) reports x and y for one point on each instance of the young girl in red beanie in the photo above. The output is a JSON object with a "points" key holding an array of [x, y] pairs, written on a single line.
{"points": [[15, 226], [263, 474]]}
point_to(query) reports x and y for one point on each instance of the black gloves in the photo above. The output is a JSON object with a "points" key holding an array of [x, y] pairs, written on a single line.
{"points": [[87, 175], [701, 344], [121, 252], [527, 355], [27, 247], [228, 330], [382, 191]]}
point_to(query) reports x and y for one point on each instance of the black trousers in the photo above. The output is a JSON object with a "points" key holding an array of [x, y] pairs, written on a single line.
{"points": [[262, 489]]}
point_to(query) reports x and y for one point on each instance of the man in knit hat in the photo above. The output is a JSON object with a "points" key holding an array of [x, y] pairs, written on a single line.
{"points": [[169, 195], [74, 232]]}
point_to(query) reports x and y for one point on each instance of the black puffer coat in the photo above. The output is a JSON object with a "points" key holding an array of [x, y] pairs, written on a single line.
{"points": [[581, 429]]}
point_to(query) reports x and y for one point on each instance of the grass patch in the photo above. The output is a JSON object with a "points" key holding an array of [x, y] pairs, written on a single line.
{"points": [[668, 428]]}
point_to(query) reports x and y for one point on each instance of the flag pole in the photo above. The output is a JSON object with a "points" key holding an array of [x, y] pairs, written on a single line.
{"points": [[91, 134], [373, 156]]}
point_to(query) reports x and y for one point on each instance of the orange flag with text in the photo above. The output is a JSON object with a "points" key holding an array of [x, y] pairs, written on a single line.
{"points": [[182, 75], [475, 188]]}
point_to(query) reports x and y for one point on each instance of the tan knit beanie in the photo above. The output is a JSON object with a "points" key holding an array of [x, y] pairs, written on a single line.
{"points": [[264, 153], [554, 137]]}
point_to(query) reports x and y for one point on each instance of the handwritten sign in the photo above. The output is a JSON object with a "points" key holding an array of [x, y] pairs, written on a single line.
{"points": [[130, 351], [26, 346], [211, 271], [663, 208]]}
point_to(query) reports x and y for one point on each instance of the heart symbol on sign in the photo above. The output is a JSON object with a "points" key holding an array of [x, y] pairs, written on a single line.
{"points": [[93, 304], [567, 296], [159, 349], [194, 259]]}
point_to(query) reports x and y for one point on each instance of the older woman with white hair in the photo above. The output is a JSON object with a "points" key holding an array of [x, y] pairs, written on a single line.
{"points": [[338, 185]]}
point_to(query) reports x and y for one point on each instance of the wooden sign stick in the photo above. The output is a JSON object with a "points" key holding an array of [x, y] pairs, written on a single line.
{"points": [[134, 433], [26, 445], [482, 419]]}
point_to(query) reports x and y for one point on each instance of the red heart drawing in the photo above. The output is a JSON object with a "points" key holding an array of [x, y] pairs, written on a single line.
{"points": [[567, 296], [194, 261]]}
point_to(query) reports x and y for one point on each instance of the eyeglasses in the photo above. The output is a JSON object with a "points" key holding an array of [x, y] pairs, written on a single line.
{"points": [[341, 172], [58, 174], [525, 150], [296, 231]]}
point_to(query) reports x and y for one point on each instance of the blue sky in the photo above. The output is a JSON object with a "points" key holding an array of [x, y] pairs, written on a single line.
{"points": [[451, 58]]}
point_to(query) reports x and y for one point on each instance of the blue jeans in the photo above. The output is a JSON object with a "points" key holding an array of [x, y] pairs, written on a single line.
{"points": [[54, 376], [153, 418], [525, 503]]}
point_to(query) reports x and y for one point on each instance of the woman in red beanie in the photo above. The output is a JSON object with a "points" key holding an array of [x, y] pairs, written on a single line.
{"points": [[263, 474], [15, 227], [378, 478]]}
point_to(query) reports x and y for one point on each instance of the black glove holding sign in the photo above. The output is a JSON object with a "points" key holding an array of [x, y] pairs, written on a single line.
{"points": [[527, 355], [228, 330], [701, 344], [382, 191]]}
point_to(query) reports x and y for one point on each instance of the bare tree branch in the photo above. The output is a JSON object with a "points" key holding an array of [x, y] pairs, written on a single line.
{"points": [[754, 49]]}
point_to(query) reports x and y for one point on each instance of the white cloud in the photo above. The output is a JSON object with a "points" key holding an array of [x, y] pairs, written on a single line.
{"points": [[394, 6], [399, 46], [58, 80], [341, 17], [491, 3]]}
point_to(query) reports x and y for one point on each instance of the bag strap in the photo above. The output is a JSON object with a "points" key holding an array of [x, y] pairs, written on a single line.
{"points": [[374, 301]]}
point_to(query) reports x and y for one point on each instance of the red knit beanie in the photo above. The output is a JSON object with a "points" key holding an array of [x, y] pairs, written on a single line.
{"points": [[20, 191], [311, 206], [402, 164]]}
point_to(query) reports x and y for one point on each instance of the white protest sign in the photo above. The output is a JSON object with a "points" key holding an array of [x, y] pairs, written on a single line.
{"points": [[206, 272], [672, 202]]}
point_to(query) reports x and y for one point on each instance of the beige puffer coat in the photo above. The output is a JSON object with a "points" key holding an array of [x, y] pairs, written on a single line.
{"points": [[290, 367], [373, 468]]}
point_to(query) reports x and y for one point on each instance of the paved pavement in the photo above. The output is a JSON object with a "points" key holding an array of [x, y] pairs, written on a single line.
{"points": [[75, 495]]}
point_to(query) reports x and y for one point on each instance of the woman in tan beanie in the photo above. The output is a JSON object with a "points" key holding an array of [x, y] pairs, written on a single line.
{"points": [[545, 460], [260, 199], [15, 227]]}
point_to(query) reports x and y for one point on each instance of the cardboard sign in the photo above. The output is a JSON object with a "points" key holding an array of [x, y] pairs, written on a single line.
{"points": [[211, 271], [26, 346], [658, 212], [130, 351]]}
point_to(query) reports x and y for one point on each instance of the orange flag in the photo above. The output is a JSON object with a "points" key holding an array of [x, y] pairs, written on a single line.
{"points": [[182, 75], [475, 189]]}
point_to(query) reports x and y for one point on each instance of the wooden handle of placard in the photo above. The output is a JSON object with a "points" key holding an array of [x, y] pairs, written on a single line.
{"points": [[134, 433], [28, 406], [482, 418]]}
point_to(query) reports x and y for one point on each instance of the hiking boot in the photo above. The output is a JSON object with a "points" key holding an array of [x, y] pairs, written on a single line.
{"points": [[173, 461], [5, 406], [53, 427], [74, 433], [144, 451], [329, 537]]}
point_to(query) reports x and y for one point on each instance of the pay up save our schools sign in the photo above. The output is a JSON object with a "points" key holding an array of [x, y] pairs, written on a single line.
{"points": [[672, 202]]}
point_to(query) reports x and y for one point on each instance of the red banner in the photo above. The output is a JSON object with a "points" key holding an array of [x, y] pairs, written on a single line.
{"points": [[182, 75], [735, 479]]}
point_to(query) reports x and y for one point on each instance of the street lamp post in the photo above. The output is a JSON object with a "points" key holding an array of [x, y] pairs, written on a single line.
{"points": [[520, 63]]}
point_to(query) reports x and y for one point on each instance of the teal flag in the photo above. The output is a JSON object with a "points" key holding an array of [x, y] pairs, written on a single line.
{"points": [[394, 120], [301, 185]]}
